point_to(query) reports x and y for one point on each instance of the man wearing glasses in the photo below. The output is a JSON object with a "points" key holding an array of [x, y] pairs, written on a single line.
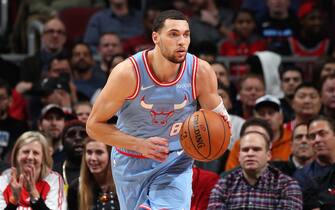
{"points": [[53, 40], [317, 179]]}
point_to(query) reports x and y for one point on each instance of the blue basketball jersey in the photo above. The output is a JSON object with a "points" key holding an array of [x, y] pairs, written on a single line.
{"points": [[159, 109]]}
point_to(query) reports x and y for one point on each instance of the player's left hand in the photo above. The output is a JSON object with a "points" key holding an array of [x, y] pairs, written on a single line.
{"points": [[156, 148]]}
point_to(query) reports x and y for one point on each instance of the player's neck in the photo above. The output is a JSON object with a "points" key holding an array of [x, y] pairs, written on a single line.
{"points": [[164, 70]]}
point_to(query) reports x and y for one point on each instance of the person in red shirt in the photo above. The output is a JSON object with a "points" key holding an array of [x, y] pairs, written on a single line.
{"points": [[243, 40]]}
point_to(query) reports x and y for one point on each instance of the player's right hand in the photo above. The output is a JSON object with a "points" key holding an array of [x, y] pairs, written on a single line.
{"points": [[156, 148]]}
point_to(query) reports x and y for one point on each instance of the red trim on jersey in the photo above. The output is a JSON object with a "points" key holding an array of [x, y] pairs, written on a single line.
{"points": [[145, 207], [137, 90], [194, 75], [153, 76], [129, 154]]}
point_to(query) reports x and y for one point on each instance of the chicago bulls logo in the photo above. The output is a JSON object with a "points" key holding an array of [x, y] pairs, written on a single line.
{"points": [[160, 113]]}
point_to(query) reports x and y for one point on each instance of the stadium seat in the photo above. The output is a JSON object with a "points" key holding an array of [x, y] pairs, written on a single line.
{"points": [[75, 20]]}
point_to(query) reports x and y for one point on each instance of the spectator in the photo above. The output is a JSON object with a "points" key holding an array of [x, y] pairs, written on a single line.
{"points": [[291, 77], [143, 41], [30, 183], [252, 87], [53, 39], [208, 16], [96, 189], [10, 128], [255, 184], [244, 40], [82, 110], [311, 39], [302, 152], [252, 124], [327, 67], [306, 104], [86, 79], [60, 67], [42, 10], [114, 19], [315, 178], [56, 90], [268, 108], [109, 46], [73, 136], [278, 25], [328, 96], [51, 124]]}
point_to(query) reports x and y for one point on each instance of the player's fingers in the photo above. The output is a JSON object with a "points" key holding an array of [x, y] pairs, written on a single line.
{"points": [[160, 141], [161, 157]]}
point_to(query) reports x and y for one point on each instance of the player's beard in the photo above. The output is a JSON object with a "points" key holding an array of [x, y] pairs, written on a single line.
{"points": [[171, 56]]}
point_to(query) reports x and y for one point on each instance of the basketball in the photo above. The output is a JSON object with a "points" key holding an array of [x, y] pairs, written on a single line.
{"points": [[205, 135]]}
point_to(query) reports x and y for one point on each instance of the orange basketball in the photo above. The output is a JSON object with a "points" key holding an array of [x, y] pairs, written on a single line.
{"points": [[205, 135]]}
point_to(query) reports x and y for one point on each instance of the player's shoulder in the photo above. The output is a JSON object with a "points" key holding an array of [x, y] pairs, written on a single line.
{"points": [[124, 70], [204, 71], [203, 67]]}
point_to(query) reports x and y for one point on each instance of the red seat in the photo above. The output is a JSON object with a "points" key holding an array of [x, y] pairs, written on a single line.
{"points": [[75, 20]]}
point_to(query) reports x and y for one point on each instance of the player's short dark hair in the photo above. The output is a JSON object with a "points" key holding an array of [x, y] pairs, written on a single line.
{"points": [[167, 14]]}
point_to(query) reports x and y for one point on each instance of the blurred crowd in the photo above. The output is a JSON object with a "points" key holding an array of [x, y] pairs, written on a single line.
{"points": [[46, 98]]}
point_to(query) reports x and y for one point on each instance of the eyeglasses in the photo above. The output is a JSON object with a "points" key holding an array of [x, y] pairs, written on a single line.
{"points": [[76, 133], [52, 31], [321, 133]]}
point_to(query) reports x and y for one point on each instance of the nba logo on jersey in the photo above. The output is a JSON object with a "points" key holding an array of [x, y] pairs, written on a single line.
{"points": [[160, 113]]}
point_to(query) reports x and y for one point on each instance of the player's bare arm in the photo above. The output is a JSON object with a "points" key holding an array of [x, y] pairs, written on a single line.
{"points": [[206, 87], [120, 85]]}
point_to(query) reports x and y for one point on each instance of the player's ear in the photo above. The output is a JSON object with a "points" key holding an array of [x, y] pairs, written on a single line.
{"points": [[155, 37]]}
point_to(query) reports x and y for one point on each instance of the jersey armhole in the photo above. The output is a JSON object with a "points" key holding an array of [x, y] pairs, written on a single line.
{"points": [[194, 73], [137, 72]]}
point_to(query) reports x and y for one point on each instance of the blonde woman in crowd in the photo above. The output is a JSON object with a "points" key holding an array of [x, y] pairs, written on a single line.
{"points": [[94, 190], [30, 183]]}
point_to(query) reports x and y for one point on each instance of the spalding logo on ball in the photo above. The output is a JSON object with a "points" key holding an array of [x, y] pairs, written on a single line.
{"points": [[205, 135]]}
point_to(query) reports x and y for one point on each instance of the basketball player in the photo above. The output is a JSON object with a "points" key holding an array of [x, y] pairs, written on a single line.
{"points": [[153, 92]]}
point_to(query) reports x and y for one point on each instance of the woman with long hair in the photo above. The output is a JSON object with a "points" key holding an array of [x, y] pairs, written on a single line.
{"points": [[30, 183], [95, 184]]}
